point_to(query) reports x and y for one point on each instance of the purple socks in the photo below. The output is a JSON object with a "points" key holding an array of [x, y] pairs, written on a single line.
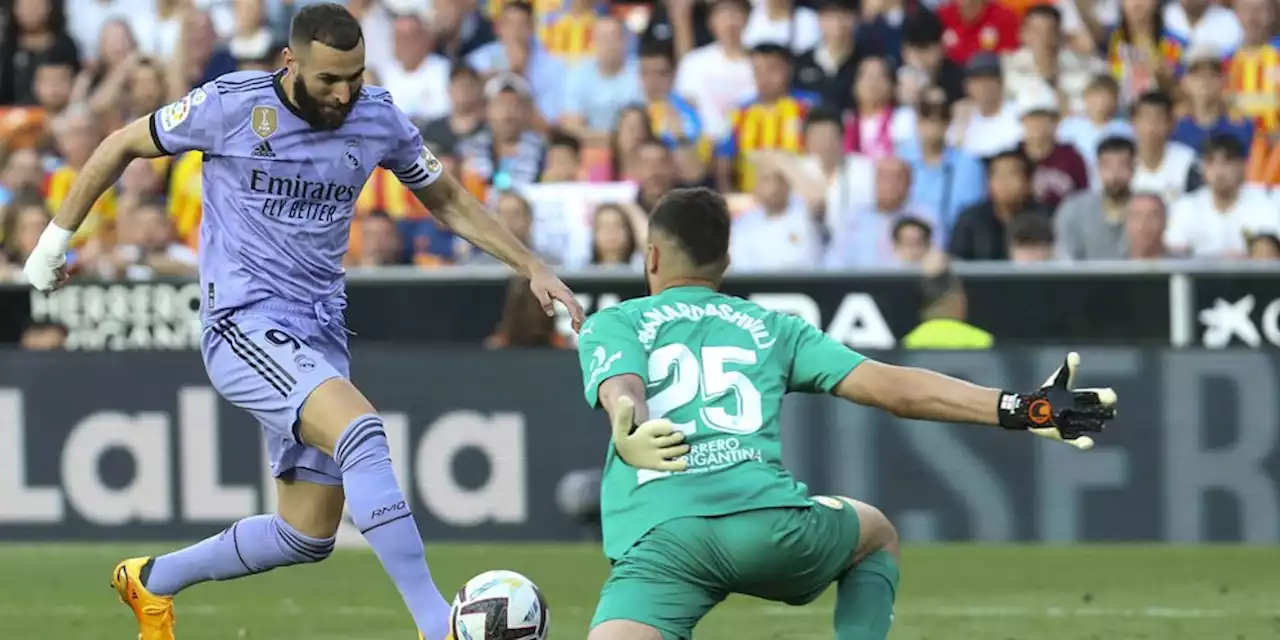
{"points": [[382, 514], [252, 545]]}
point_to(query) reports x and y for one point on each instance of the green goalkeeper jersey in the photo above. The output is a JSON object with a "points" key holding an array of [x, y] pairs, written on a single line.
{"points": [[717, 367]]}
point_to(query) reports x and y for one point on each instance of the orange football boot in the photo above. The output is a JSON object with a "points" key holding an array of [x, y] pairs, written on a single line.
{"points": [[155, 613]]}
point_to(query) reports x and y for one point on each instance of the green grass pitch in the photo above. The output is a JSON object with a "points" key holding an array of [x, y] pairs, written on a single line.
{"points": [[949, 592]]}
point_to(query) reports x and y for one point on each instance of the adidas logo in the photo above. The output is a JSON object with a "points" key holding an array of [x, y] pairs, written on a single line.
{"points": [[263, 150]]}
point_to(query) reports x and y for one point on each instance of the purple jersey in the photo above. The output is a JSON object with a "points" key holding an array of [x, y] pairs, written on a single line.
{"points": [[279, 195]]}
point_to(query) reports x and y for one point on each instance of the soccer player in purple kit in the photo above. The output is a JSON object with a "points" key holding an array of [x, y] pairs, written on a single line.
{"points": [[285, 156]]}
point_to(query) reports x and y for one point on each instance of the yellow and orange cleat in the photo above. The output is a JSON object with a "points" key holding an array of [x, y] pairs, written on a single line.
{"points": [[155, 613]]}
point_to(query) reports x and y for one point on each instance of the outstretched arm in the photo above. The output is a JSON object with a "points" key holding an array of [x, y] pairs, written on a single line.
{"points": [[103, 170], [450, 203], [1056, 410]]}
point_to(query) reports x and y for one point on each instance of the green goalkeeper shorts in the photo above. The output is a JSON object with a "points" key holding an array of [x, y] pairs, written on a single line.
{"points": [[682, 568]]}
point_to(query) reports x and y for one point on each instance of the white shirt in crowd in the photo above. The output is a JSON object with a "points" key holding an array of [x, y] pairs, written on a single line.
{"points": [[422, 92], [852, 186], [1199, 229], [799, 33], [762, 242], [863, 236], [1170, 178], [716, 85], [86, 17], [982, 136], [1218, 27]]}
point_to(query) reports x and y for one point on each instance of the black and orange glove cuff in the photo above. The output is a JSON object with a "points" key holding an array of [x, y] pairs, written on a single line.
{"points": [[1022, 411]]}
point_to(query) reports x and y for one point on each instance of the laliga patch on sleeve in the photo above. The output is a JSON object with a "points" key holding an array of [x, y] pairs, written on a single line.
{"points": [[430, 161], [176, 113]]}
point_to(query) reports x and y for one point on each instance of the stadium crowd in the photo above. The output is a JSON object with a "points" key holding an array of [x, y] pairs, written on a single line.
{"points": [[851, 134]]}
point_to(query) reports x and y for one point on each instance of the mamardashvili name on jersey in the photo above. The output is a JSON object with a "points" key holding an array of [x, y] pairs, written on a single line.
{"points": [[278, 195]]}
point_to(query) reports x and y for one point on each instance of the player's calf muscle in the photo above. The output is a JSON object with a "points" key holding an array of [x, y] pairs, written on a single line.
{"points": [[328, 411]]}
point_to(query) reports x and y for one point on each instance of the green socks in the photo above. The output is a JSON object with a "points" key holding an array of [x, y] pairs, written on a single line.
{"points": [[864, 598]]}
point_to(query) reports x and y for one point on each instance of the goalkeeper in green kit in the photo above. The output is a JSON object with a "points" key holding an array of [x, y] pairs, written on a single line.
{"points": [[695, 502]]}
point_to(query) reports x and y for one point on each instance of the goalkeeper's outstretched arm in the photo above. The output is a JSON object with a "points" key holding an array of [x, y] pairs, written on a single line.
{"points": [[639, 441], [1056, 410]]}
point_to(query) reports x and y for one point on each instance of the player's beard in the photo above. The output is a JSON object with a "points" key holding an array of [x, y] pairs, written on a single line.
{"points": [[316, 114]]}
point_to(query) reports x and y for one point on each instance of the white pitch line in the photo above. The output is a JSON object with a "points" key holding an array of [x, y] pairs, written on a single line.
{"points": [[1048, 612]]}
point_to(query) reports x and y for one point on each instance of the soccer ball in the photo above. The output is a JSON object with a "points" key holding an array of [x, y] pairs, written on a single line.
{"points": [[499, 605]]}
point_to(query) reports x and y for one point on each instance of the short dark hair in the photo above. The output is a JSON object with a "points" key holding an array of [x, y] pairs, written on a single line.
{"points": [[463, 70], [698, 219], [772, 49], [328, 23], [1224, 144], [561, 138], [922, 30], [911, 221], [1031, 229], [1044, 10], [658, 49], [1158, 99], [1016, 154], [820, 115], [519, 5], [1104, 82], [1114, 144]]}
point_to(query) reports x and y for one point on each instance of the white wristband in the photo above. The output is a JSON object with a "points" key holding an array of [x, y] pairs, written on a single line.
{"points": [[54, 240]]}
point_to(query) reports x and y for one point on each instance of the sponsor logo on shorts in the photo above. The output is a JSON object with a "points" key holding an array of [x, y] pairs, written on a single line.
{"points": [[828, 501], [304, 363]]}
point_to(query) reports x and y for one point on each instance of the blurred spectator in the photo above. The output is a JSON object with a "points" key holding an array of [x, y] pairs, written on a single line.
{"points": [[1207, 104], [924, 62], [145, 247], [981, 232], [76, 135], [597, 89], [524, 325], [25, 219], [1203, 22], [116, 46], [1042, 60], [417, 79], [517, 51], [1253, 88], [201, 59], [944, 307], [381, 242], [566, 33], [564, 158], [466, 110], [782, 23], [912, 240], [132, 89], [691, 169], [777, 235], [141, 182], [1031, 239], [1059, 169], [655, 173], [1143, 54], [831, 182], [973, 26], [1144, 225], [1101, 119], [516, 214], [773, 119], [613, 238], [829, 68], [34, 31], [876, 125], [507, 153], [864, 236], [679, 25], [944, 179], [54, 85], [1090, 224], [1264, 247], [44, 336], [719, 77], [1213, 221], [1164, 167], [632, 129], [985, 123], [20, 170], [672, 117], [459, 28]]}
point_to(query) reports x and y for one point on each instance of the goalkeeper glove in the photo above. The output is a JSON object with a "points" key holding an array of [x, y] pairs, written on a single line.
{"points": [[46, 267], [1058, 410], [654, 444]]}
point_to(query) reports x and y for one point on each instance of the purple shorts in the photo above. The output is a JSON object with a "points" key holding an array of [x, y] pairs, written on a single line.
{"points": [[267, 360]]}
